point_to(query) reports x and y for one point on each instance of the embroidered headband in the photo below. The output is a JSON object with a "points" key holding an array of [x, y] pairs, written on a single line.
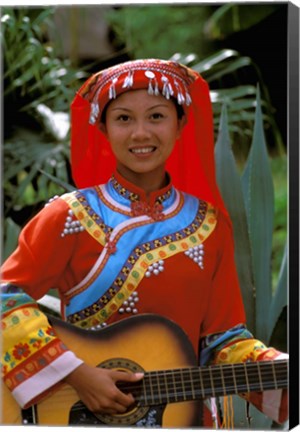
{"points": [[191, 164], [170, 79]]}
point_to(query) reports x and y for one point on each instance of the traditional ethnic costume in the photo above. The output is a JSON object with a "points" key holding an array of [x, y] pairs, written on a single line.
{"points": [[113, 252]]}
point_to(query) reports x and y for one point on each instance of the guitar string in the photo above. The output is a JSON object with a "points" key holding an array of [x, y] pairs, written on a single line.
{"points": [[280, 381], [238, 369], [280, 368], [169, 396]]}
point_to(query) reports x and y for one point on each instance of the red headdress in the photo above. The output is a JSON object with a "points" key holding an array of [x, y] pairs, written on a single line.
{"points": [[191, 164]]}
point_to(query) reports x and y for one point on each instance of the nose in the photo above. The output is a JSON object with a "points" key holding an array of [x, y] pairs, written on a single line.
{"points": [[140, 131]]}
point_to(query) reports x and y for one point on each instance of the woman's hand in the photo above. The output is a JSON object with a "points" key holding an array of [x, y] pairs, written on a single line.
{"points": [[96, 388]]}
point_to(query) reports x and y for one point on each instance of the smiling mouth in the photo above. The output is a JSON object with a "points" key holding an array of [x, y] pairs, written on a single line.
{"points": [[143, 150]]}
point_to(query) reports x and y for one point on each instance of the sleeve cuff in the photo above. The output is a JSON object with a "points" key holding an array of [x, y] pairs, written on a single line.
{"points": [[38, 385]]}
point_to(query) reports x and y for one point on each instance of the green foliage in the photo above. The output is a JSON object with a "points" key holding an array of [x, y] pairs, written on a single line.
{"points": [[11, 234], [233, 17], [32, 71], [239, 99], [38, 88], [250, 202], [259, 201], [150, 31], [252, 195], [232, 193]]}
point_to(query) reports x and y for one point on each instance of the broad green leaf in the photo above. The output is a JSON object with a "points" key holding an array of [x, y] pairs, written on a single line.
{"points": [[279, 300], [259, 201], [231, 189]]}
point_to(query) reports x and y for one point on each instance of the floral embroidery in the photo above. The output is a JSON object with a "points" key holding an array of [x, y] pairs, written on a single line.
{"points": [[21, 350], [50, 331]]}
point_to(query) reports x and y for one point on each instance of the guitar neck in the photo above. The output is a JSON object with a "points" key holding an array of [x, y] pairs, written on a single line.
{"points": [[178, 385]]}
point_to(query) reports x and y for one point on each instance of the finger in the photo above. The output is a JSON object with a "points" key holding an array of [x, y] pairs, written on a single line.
{"points": [[124, 399], [128, 376]]}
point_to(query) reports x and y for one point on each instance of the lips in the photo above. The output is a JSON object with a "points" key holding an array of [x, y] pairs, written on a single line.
{"points": [[142, 150]]}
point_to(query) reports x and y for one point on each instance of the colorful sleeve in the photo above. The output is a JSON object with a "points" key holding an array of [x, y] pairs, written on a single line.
{"points": [[238, 345], [33, 358]]}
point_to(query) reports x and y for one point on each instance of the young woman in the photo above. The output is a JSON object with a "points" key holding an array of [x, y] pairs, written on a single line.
{"points": [[147, 231]]}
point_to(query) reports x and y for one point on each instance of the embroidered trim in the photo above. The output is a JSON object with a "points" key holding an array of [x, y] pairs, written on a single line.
{"points": [[138, 262], [15, 301], [15, 317], [32, 365], [123, 209], [110, 202], [88, 218], [133, 197]]}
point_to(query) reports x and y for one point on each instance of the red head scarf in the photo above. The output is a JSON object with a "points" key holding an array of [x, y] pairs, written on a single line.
{"points": [[191, 164]]}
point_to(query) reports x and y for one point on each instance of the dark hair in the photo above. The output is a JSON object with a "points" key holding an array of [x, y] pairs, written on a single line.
{"points": [[179, 110]]}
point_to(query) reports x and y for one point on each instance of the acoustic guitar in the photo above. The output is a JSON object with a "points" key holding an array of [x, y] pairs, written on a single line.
{"points": [[173, 386]]}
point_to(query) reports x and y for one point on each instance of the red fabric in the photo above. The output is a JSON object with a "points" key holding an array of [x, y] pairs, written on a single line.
{"points": [[191, 164], [211, 302]]}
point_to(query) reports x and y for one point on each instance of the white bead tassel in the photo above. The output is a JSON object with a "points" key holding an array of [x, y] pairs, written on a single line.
{"points": [[112, 89], [150, 75], [180, 97], [128, 82], [167, 90]]}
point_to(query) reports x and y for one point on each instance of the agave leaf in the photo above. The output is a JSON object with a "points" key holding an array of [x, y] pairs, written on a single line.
{"points": [[11, 235], [259, 201], [231, 189], [279, 299]]}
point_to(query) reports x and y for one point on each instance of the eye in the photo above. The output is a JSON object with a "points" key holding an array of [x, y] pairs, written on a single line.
{"points": [[157, 116], [123, 118]]}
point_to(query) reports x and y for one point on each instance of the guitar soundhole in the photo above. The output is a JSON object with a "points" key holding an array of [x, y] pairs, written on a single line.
{"points": [[137, 414]]}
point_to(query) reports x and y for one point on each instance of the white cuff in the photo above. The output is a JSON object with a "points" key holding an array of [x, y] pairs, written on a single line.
{"points": [[46, 378]]}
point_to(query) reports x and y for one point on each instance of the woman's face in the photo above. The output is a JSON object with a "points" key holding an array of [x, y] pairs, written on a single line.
{"points": [[142, 130]]}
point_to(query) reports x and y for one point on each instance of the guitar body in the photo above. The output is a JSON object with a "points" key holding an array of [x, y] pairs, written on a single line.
{"points": [[144, 342]]}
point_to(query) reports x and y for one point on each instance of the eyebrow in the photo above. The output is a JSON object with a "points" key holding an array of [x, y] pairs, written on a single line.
{"points": [[148, 109]]}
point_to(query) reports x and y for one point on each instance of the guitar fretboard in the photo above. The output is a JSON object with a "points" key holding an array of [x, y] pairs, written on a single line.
{"points": [[178, 385]]}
